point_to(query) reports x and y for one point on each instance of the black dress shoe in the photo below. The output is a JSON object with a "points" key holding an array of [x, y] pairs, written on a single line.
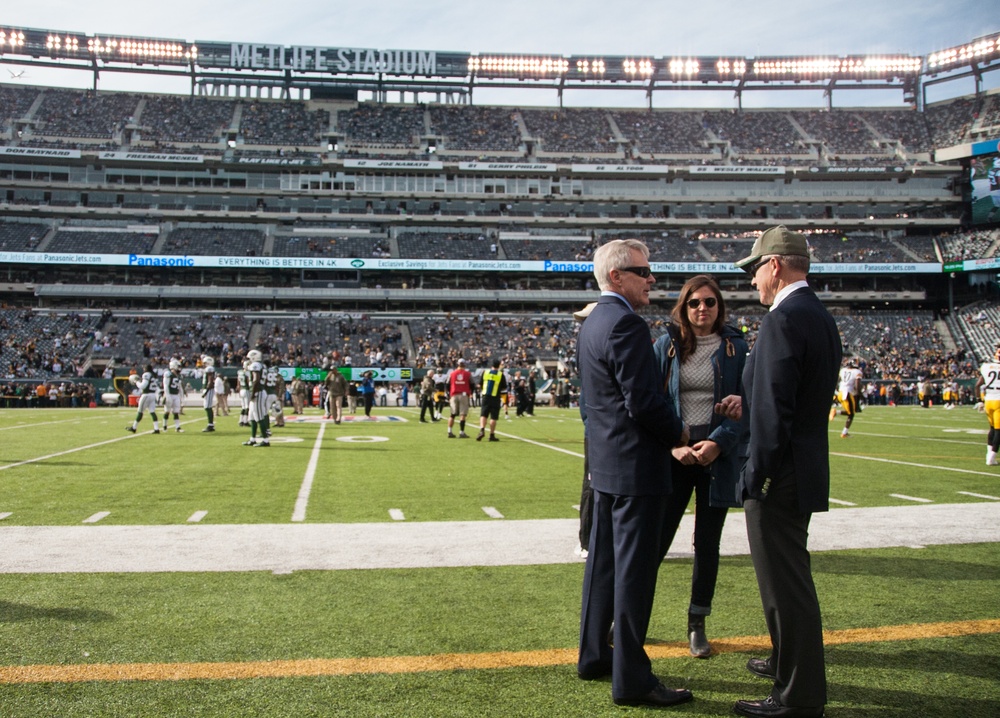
{"points": [[770, 708], [594, 675], [761, 667], [660, 696]]}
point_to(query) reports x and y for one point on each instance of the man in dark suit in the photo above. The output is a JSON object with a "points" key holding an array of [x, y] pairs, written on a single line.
{"points": [[630, 429], [789, 381]]}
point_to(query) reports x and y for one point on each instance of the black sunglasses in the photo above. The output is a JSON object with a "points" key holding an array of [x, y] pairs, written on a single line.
{"points": [[695, 303], [641, 271], [753, 268]]}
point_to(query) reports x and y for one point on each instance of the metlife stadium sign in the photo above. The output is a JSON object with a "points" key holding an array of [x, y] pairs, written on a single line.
{"points": [[167, 261], [328, 59]]}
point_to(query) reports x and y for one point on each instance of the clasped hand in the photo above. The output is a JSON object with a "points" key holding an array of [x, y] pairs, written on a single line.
{"points": [[702, 453]]}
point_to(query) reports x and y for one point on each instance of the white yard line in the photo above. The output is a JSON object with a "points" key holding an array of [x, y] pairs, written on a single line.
{"points": [[911, 463], [70, 451], [538, 443], [83, 448], [980, 496], [302, 501], [917, 499], [966, 442], [961, 423], [60, 421]]}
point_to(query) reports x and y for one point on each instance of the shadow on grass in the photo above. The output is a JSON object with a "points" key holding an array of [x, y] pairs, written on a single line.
{"points": [[860, 699], [940, 663], [940, 677], [882, 702], [918, 567], [13, 612]]}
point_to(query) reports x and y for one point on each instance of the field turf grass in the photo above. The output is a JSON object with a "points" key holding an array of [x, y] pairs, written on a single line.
{"points": [[912, 631]]}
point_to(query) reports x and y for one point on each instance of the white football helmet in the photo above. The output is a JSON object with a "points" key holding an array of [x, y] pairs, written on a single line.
{"points": [[207, 361], [255, 355], [134, 379], [174, 365]]}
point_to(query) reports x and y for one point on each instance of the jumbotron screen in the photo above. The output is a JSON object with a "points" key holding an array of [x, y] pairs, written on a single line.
{"points": [[984, 189]]}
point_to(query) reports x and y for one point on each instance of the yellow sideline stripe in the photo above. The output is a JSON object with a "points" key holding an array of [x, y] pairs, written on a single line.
{"points": [[446, 661]]}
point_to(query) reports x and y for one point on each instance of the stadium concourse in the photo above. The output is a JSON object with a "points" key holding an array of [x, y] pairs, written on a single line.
{"points": [[304, 547]]}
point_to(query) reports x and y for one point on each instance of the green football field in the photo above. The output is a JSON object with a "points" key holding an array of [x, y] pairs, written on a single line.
{"points": [[913, 630]]}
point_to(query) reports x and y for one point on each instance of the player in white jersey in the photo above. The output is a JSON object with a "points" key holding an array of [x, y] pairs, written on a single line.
{"points": [[848, 391], [949, 393], [243, 383], [208, 391], [147, 385], [275, 403], [172, 391], [278, 407], [258, 415], [923, 392], [989, 382]]}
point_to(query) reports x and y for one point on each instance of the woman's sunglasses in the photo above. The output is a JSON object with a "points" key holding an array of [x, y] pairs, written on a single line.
{"points": [[695, 303]]}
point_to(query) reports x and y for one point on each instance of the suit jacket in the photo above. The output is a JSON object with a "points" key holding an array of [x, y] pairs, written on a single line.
{"points": [[788, 382], [630, 423]]}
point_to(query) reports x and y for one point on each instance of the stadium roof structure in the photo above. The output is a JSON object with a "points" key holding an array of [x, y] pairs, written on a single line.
{"points": [[341, 72]]}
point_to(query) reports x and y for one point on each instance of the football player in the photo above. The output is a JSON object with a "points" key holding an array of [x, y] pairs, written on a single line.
{"points": [[989, 382], [208, 391], [172, 389], [848, 392], [278, 392], [243, 382], [146, 384], [274, 402], [259, 418], [949, 393]]}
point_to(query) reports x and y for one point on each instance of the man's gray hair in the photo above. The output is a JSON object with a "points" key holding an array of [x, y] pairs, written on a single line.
{"points": [[616, 254], [794, 262]]}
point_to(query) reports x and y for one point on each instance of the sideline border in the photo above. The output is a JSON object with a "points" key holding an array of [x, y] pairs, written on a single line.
{"points": [[319, 667]]}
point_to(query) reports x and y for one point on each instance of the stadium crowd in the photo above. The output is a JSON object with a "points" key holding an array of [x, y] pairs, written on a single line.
{"points": [[210, 239], [87, 120], [48, 344], [893, 347]]}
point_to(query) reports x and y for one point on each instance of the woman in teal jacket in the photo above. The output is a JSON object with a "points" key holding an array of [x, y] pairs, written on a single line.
{"points": [[701, 359]]}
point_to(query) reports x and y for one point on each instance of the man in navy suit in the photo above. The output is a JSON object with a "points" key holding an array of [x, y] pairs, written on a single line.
{"points": [[630, 429], [789, 381]]}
